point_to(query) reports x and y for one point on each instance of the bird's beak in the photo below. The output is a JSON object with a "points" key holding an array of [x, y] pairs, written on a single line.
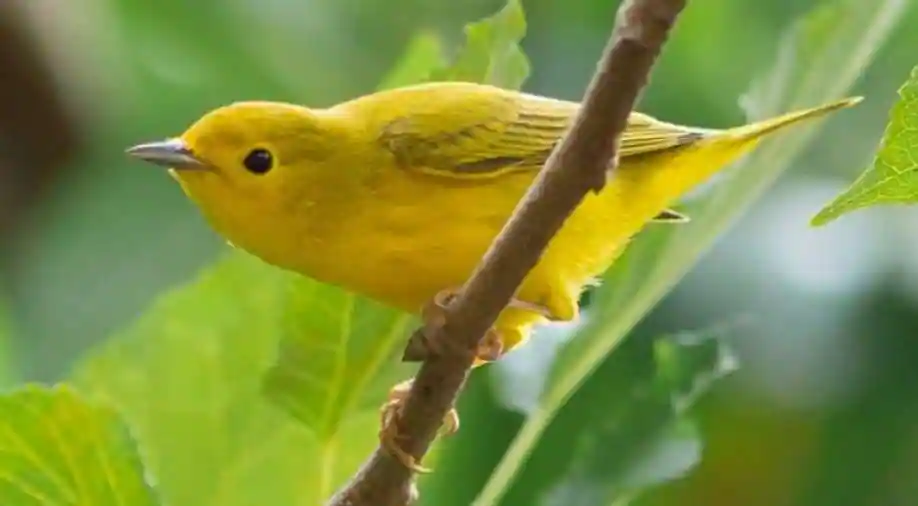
{"points": [[172, 153]]}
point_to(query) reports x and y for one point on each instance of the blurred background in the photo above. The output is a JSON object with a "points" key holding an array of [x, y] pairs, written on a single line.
{"points": [[825, 409]]}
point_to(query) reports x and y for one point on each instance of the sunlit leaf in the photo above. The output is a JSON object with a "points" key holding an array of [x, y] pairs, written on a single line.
{"points": [[893, 178], [188, 377], [818, 60], [56, 448], [492, 52], [340, 354]]}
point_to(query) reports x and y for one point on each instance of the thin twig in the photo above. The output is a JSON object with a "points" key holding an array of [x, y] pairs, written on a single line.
{"points": [[579, 164]]}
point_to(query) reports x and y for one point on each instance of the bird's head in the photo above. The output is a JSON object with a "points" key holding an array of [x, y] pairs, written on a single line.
{"points": [[244, 151], [250, 165]]}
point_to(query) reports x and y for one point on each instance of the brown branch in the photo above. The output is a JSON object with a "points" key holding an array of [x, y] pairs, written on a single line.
{"points": [[578, 164]]}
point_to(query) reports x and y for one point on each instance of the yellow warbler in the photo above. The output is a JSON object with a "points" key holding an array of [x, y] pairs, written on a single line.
{"points": [[396, 195]]}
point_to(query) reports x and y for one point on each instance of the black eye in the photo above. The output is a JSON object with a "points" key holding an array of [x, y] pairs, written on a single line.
{"points": [[258, 161]]}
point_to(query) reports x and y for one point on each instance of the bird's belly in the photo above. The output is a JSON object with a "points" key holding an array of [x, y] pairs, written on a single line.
{"points": [[405, 263], [404, 254]]}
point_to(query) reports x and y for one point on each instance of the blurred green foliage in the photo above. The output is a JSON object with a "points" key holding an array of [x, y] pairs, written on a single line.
{"points": [[893, 178], [644, 437], [189, 382], [6, 371]]}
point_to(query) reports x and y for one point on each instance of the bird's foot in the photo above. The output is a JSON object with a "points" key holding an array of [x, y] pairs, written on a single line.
{"points": [[389, 431], [433, 315]]}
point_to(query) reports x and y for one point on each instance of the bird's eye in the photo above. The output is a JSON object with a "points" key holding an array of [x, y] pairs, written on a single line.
{"points": [[258, 161]]}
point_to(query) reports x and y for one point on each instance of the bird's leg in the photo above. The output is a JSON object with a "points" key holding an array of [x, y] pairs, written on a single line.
{"points": [[433, 315], [490, 348], [389, 432]]}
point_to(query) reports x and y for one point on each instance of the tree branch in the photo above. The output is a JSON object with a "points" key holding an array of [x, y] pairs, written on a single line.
{"points": [[578, 165]]}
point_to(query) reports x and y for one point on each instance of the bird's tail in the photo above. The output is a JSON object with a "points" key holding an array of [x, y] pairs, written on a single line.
{"points": [[759, 129], [651, 184]]}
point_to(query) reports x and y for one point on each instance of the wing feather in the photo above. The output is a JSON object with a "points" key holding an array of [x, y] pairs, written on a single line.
{"points": [[492, 133]]}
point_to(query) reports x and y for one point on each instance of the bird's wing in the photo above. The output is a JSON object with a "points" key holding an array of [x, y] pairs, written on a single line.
{"points": [[486, 136]]}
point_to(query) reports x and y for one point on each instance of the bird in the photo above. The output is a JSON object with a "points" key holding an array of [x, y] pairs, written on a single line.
{"points": [[397, 194]]}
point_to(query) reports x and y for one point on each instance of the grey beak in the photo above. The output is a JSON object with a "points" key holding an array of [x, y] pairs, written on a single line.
{"points": [[171, 153]]}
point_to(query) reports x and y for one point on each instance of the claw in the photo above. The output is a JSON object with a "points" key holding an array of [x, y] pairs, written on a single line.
{"points": [[491, 347], [389, 433]]}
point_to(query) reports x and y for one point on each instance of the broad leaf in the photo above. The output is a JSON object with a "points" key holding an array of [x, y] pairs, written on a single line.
{"points": [[492, 52], [644, 436], [893, 178], [189, 379], [57, 448], [340, 355], [818, 60]]}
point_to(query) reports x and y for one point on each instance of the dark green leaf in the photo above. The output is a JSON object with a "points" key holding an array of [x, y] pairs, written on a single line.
{"points": [[645, 437]]}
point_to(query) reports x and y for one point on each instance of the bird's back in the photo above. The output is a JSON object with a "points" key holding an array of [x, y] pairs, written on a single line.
{"points": [[454, 159]]}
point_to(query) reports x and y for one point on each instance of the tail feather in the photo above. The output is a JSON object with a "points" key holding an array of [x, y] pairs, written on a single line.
{"points": [[674, 172], [761, 128]]}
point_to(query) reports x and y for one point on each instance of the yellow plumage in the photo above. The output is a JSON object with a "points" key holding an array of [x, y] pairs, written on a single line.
{"points": [[396, 195]]}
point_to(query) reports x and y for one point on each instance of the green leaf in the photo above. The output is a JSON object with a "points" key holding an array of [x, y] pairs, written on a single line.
{"points": [[818, 60], [340, 355], [423, 55], [645, 436], [893, 178], [189, 378], [492, 52], [56, 448]]}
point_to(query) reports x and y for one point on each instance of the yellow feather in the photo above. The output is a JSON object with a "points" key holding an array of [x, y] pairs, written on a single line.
{"points": [[397, 195]]}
